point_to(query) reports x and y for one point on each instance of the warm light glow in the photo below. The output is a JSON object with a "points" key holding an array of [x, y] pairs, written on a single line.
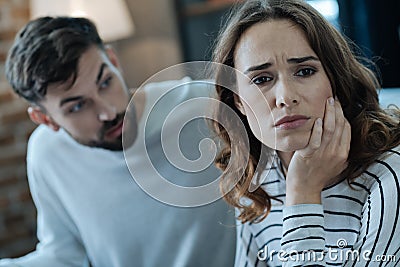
{"points": [[111, 17], [78, 13]]}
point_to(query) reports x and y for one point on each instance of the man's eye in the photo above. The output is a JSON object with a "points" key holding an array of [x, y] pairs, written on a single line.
{"points": [[305, 72], [77, 107], [262, 79], [106, 83]]}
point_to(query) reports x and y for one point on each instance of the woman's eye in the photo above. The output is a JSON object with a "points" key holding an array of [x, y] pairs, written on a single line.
{"points": [[262, 79], [305, 72], [77, 107], [106, 83]]}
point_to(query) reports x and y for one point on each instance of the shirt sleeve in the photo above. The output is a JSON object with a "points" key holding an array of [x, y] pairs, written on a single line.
{"points": [[59, 243], [303, 235], [377, 243]]}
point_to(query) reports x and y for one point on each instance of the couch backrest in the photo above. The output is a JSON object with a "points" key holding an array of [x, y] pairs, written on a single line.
{"points": [[389, 96]]}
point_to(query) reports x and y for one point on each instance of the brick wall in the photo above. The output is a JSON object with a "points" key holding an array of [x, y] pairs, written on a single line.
{"points": [[17, 212]]}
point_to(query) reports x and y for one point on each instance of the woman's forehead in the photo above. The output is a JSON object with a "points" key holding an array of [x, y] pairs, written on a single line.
{"points": [[263, 41]]}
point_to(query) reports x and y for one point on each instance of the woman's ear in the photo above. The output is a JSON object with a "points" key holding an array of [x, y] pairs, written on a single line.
{"points": [[239, 104], [37, 115]]}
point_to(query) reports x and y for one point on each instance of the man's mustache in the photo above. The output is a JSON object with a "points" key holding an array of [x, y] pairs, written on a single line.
{"points": [[109, 124]]}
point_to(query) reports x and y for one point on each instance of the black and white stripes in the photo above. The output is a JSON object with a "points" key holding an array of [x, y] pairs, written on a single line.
{"points": [[362, 220]]}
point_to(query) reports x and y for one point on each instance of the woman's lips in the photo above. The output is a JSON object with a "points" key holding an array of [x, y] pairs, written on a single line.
{"points": [[291, 122]]}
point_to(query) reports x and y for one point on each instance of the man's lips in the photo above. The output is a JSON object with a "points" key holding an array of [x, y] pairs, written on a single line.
{"points": [[115, 131], [291, 122]]}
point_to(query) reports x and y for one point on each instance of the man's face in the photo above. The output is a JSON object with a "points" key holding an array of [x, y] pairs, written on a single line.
{"points": [[93, 108]]}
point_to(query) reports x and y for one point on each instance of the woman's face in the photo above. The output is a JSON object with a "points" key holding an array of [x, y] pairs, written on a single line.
{"points": [[285, 88]]}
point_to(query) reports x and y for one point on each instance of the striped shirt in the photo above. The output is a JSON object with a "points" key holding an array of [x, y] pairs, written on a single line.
{"points": [[354, 226]]}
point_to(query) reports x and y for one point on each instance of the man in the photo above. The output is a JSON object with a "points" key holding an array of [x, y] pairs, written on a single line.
{"points": [[89, 207]]}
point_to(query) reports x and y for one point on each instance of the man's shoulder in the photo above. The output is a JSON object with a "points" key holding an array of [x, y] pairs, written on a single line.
{"points": [[42, 134], [184, 88], [44, 140]]}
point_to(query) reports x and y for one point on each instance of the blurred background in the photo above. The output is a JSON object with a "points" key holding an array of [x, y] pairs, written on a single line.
{"points": [[148, 36]]}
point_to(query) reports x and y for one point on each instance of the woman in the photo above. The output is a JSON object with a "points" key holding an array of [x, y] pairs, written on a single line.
{"points": [[332, 195]]}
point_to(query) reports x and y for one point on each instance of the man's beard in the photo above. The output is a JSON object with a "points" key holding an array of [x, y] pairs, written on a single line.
{"points": [[115, 145], [125, 140]]}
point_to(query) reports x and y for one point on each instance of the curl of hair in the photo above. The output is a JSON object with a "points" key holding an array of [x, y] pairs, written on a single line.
{"points": [[374, 130]]}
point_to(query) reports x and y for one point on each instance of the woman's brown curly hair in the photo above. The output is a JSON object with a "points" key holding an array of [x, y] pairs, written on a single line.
{"points": [[373, 130]]}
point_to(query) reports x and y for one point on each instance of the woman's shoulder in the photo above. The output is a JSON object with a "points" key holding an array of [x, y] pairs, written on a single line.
{"points": [[389, 161], [384, 173]]}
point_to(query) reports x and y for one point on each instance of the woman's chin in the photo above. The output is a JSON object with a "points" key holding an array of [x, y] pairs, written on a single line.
{"points": [[291, 145], [288, 143]]}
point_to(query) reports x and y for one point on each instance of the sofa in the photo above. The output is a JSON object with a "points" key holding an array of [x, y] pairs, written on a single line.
{"points": [[389, 96]]}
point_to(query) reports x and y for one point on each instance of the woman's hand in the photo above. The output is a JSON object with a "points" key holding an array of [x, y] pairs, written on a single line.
{"points": [[322, 160]]}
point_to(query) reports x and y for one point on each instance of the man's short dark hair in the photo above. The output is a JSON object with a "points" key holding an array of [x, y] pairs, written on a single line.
{"points": [[46, 51]]}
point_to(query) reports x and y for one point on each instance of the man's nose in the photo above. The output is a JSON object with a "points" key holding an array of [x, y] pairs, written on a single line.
{"points": [[106, 112]]}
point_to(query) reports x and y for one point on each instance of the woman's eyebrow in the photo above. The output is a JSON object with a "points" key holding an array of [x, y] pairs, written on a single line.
{"points": [[258, 67], [294, 60], [297, 60]]}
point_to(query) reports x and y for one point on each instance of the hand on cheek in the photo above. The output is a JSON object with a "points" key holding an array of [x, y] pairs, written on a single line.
{"points": [[322, 160]]}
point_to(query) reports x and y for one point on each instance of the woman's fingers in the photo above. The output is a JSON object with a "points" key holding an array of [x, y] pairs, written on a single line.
{"points": [[345, 139], [315, 139], [339, 127], [339, 146], [332, 137], [325, 156], [329, 121], [316, 136]]}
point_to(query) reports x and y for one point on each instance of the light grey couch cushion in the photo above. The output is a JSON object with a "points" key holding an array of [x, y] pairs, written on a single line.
{"points": [[389, 96]]}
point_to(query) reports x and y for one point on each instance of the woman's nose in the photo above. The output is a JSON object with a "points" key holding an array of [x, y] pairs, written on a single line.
{"points": [[286, 95]]}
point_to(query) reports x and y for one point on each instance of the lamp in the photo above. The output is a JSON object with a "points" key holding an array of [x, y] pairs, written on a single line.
{"points": [[111, 17]]}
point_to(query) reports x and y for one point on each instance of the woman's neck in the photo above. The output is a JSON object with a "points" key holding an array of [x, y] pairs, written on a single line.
{"points": [[285, 158]]}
